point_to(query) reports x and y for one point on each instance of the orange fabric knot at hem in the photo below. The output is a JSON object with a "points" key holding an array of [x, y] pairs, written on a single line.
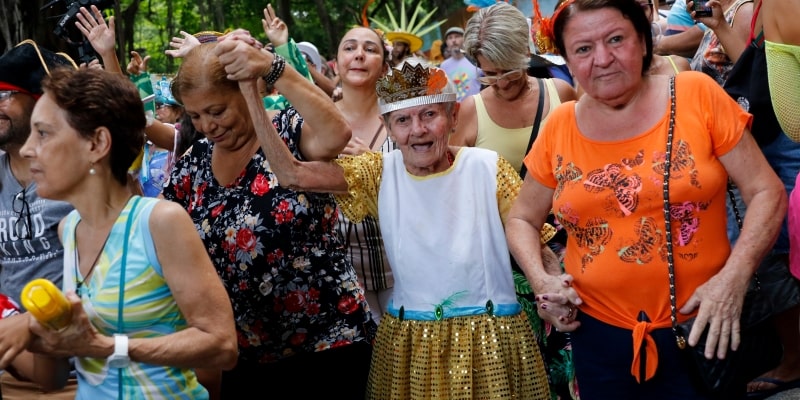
{"points": [[645, 363]]}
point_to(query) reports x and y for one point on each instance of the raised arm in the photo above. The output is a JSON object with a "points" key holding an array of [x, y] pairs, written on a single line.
{"points": [[317, 176], [182, 44], [732, 37], [102, 36], [325, 130]]}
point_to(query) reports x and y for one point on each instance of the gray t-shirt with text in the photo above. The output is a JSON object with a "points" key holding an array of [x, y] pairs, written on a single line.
{"points": [[23, 259]]}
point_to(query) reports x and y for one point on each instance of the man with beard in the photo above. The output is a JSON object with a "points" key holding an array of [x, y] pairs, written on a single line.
{"points": [[461, 71], [29, 243]]}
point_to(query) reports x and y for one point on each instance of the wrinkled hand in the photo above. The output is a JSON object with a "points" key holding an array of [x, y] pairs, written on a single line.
{"points": [[243, 36], [182, 45], [276, 30], [241, 60], [720, 306], [74, 340], [557, 302], [95, 63], [93, 26], [717, 17], [15, 336], [137, 65]]}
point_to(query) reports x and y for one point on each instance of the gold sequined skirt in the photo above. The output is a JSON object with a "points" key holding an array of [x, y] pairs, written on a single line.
{"points": [[472, 357]]}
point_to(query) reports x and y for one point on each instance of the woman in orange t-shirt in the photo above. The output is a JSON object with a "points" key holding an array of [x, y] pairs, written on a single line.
{"points": [[599, 165]]}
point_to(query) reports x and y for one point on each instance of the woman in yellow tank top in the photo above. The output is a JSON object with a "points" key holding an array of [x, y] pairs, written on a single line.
{"points": [[502, 115]]}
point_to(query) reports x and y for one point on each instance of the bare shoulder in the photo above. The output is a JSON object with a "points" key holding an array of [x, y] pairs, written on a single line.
{"points": [[166, 216], [682, 63], [565, 91], [780, 21]]}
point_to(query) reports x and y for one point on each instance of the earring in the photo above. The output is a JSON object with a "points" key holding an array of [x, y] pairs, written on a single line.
{"points": [[92, 171]]}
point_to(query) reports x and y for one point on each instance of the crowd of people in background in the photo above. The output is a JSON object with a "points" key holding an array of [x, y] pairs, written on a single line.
{"points": [[528, 207]]}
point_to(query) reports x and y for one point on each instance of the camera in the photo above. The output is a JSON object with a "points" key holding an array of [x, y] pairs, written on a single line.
{"points": [[701, 9], [65, 27]]}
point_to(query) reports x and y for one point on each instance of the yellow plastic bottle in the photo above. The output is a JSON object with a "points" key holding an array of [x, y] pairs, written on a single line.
{"points": [[46, 303]]}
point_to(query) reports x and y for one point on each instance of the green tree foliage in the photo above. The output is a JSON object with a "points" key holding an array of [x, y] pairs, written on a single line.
{"points": [[148, 25], [321, 22]]}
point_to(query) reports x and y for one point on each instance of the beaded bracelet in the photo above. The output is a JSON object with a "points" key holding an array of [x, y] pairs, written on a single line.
{"points": [[275, 71]]}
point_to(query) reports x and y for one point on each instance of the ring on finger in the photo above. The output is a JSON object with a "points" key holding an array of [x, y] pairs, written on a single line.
{"points": [[571, 312]]}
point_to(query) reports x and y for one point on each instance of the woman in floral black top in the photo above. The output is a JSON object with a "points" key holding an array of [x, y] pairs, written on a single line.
{"points": [[301, 316]]}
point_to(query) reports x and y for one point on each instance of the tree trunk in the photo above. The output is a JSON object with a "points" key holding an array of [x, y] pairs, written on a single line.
{"points": [[125, 25], [23, 19], [325, 21], [171, 31], [284, 12], [219, 14]]}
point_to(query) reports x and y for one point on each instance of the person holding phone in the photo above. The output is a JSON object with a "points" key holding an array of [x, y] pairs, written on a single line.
{"points": [[701, 9], [726, 38]]}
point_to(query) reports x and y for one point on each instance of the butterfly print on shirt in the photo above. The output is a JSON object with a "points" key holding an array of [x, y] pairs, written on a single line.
{"points": [[649, 240], [682, 163], [564, 175], [688, 222], [625, 188], [594, 236]]}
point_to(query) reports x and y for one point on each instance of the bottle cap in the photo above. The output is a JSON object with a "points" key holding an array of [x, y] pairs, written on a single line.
{"points": [[46, 303]]}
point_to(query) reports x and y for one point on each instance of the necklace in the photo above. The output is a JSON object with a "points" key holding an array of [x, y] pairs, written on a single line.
{"points": [[79, 283]]}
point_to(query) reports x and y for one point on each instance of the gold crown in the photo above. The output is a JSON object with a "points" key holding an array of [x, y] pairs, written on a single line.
{"points": [[411, 86]]}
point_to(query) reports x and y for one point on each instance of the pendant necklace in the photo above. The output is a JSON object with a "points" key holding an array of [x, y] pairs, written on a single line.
{"points": [[79, 283]]}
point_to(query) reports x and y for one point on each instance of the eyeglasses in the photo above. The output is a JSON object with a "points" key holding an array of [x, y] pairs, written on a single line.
{"points": [[23, 224], [6, 94], [508, 76]]}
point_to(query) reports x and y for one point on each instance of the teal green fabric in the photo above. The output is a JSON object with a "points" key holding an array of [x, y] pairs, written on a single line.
{"points": [[295, 58], [145, 86]]}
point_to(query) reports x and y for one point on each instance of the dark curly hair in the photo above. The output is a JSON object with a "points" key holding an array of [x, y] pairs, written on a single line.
{"points": [[93, 98], [629, 9]]}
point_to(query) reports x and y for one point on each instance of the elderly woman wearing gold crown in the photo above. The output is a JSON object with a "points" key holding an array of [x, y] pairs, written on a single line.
{"points": [[454, 328]]}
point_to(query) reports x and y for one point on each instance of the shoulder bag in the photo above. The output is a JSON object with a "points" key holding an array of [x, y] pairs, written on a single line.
{"points": [[760, 348], [747, 83]]}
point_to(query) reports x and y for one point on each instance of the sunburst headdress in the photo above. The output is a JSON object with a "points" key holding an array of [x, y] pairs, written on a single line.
{"points": [[409, 31], [413, 85]]}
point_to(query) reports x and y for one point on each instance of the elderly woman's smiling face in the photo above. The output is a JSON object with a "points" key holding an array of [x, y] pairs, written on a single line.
{"points": [[605, 53], [421, 134]]}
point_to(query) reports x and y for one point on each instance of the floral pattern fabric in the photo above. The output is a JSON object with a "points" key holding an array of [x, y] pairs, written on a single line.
{"points": [[276, 252]]}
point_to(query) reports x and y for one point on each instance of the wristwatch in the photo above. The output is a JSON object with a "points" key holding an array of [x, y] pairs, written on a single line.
{"points": [[119, 359]]}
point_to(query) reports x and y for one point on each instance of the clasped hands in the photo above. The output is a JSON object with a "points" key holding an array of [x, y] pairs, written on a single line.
{"points": [[557, 302]]}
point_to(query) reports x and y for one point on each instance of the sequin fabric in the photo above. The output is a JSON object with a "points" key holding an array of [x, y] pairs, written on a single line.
{"points": [[474, 357], [363, 176], [508, 186]]}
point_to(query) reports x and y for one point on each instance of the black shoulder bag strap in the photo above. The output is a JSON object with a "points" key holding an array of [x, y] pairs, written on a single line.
{"points": [[535, 130]]}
